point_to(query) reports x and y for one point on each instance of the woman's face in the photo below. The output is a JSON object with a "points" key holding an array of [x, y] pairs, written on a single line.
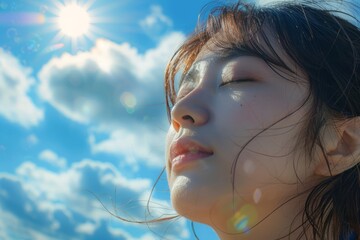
{"points": [[222, 104]]}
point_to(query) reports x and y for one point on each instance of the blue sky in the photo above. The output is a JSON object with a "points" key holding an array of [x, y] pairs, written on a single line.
{"points": [[83, 121]]}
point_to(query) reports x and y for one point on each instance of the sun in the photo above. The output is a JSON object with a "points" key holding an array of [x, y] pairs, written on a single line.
{"points": [[76, 24], [73, 20]]}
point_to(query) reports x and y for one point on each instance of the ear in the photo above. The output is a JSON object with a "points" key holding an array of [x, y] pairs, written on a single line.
{"points": [[341, 146]]}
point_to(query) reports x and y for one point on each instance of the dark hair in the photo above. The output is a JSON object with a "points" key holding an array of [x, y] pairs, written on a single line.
{"points": [[327, 48]]}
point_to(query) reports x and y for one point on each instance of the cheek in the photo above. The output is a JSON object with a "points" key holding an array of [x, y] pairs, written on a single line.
{"points": [[270, 156], [249, 113], [240, 118], [169, 138], [260, 105], [262, 179]]}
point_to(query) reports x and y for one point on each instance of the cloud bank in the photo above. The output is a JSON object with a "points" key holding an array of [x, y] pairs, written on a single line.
{"points": [[41, 204]]}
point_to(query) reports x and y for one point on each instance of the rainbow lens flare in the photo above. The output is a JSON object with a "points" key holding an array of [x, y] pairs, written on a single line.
{"points": [[21, 18], [128, 100], [243, 219]]}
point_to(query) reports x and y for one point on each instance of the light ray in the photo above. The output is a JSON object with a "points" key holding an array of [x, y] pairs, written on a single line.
{"points": [[26, 18]]}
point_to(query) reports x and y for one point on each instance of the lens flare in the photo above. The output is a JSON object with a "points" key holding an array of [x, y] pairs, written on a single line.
{"points": [[257, 195], [128, 100], [249, 167], [12, 34], [21, 19], [243, 219], [54, 47]]}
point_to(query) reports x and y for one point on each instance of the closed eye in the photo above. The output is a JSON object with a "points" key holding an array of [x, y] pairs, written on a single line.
{"points": [[237, 81]]}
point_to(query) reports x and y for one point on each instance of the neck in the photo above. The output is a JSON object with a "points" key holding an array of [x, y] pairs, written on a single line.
{"points": [[273, 220]]}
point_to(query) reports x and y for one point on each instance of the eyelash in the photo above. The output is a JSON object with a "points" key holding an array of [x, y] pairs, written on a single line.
{"points": [[179, 97], [237, 81]]}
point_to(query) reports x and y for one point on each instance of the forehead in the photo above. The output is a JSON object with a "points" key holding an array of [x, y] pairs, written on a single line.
{"points": [[265, 45]]}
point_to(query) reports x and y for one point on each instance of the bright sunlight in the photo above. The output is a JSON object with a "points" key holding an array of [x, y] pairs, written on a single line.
{"points": [[74, 20]]}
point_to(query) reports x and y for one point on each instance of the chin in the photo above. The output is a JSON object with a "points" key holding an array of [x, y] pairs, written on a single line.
{"points": [[190, 209], [193, 200], [196, 200]]}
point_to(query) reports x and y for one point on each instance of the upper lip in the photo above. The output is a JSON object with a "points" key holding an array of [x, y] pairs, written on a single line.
{"points": [[186, 145]]}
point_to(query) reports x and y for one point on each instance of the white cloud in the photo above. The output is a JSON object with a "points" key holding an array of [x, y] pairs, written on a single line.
{"points": [[100, 86], [156, 24], [52, 158], [86, 228], [15, 82], [138, 146], [53, 205], [12, 227], [157, 16]]}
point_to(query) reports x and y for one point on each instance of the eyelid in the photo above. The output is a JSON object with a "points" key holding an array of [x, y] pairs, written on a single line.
{"points": [[187, 84], [179, 97], [182, 93], [239, 80]]}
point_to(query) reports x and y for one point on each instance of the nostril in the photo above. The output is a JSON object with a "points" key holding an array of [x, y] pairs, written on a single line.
{"points": [[188, 117], [176, 125]]}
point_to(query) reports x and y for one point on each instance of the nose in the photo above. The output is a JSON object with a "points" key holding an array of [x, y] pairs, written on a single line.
{"points": [[190, 111]]}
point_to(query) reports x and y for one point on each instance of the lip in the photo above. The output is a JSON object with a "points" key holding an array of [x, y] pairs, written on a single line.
{"points": [[184, 151]]}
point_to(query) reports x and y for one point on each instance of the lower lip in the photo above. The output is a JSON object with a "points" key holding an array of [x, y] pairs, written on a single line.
{"points": [[179, 162]]}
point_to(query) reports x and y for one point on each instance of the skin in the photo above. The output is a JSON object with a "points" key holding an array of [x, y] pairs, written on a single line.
{"points": [[223, 118]]}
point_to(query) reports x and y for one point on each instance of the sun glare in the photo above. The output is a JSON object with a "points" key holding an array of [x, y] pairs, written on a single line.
{"points": [[76, 23], [74, 20]]}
